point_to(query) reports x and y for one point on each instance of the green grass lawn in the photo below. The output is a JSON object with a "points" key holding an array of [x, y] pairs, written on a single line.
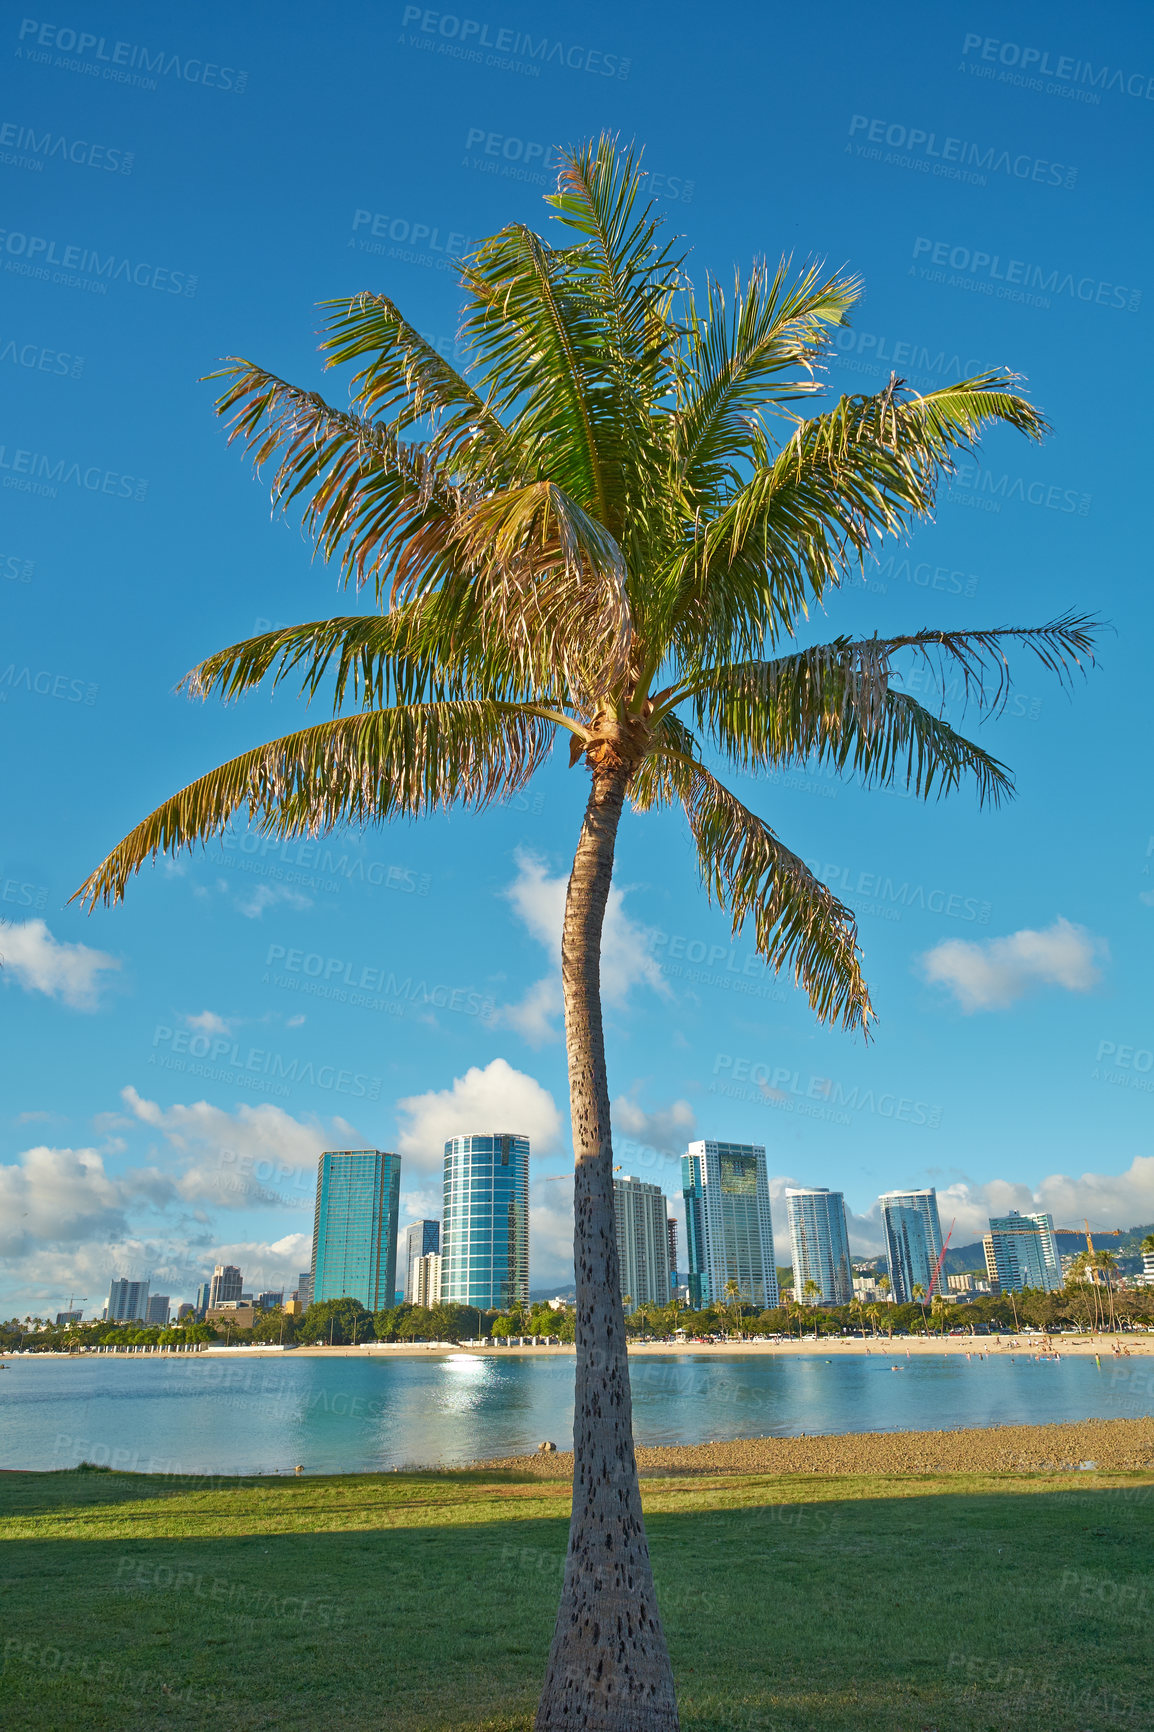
{"points": [[422, 1601]]}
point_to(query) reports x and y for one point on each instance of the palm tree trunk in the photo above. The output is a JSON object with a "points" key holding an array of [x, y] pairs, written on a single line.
{"points": [[609, 1667]]}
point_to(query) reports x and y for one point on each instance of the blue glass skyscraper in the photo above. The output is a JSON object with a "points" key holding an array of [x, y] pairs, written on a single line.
{"points": [[355, 1227], [728, 1227], [485, 1231], [913, 1241]]}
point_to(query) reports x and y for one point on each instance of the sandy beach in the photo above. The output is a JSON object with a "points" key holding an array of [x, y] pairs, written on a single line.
{"points": [[1102, 1445], [833, 1347]]}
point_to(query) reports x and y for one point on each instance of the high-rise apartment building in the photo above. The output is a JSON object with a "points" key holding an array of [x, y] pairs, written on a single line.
{"points": [[820, 1242], [913, 1236], [418, 1240], [1021, 1251], [485, 1231], [305, 1289], [671, 1229], [202, 1294], [642, 1241], [226, 1286], [425, 1274], [65, 1319], [270, 1301], [729, 1233], [355, 1227], [127, 1301], [156, 1311]]}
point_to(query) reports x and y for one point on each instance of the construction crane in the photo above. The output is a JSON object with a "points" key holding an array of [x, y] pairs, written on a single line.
{"points": [[941, 1258], [1102, 1232]]}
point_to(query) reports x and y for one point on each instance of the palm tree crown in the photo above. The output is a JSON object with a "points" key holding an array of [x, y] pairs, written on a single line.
{"points": [[604, 531]]}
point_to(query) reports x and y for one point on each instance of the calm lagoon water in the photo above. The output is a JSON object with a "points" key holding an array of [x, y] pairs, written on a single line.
{"points": [[215, 1415]]}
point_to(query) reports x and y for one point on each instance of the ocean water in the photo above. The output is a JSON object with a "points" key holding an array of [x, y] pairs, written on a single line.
{"points": [[209, 1414]]}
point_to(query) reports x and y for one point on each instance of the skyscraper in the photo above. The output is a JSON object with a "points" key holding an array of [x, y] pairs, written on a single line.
{"points": [[1021, 1252], [728, 1228], [485, 1235], [425, 1275], [642, 1241], [913, 1240], [127, 1301], [202, 1294], [156, 1310], [419, 1240], [820, 1242], [305, 1288], [355, 1227], [226, 1286], [671, 1229]]}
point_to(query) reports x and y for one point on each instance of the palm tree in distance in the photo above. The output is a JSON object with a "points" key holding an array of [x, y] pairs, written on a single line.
{"points": [[611, 526]]}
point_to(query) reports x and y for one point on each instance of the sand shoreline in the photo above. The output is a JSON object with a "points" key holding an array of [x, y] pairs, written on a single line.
{"points": [[1092, 1445], [1129, 1346]]}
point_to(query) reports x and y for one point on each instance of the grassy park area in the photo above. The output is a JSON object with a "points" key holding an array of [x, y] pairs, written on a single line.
{"points": [[893, 1603]]}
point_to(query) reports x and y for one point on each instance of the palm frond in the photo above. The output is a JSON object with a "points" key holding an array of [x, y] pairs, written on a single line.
{"points": [[379, 505], [798, 922], [759, 348], [836, 702], [869, 467], [365, 768], [407, 380]]}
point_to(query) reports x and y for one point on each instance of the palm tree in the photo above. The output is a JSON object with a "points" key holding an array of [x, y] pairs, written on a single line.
{"points": [[611, 526], [733, 1294], [1108, 1264]]}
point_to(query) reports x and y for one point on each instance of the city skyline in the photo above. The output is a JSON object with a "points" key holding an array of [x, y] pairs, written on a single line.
{"points": [[911, 1256]]}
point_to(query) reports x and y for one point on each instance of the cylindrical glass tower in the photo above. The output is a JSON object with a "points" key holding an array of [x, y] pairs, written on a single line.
{"points": [[485, 1231]]}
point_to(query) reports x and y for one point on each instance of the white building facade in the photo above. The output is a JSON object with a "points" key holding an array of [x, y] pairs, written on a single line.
{"points": [[642, 1241]]}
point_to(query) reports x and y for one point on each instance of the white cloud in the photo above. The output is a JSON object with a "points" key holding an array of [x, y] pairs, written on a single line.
{"points": [[497, 1098], [255, 1155], [993, 974], [207, 1022], [64, 1196], [40, 963], [533, 1017], [627, 957], [261, 896]]}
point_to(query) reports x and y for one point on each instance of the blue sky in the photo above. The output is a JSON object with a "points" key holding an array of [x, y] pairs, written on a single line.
{"points": [[170, 1083]]}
